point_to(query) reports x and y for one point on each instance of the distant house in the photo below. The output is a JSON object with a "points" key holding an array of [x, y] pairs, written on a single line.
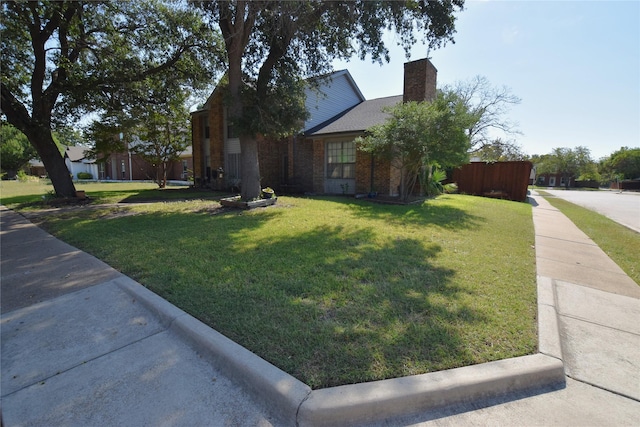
{"points": [[323, 157], [127, 166], [78, 160], [553, 180], [36, 168]]}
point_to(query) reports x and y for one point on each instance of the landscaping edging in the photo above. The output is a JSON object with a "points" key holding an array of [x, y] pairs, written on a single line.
{"points": [[295, 404], [235, 202]]}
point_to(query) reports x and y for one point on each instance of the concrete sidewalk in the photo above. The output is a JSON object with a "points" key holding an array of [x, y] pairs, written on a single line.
{"points": [[85, 345]]}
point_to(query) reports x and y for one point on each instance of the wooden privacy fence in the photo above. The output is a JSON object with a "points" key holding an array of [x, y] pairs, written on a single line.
{"points": [[504, 180]]}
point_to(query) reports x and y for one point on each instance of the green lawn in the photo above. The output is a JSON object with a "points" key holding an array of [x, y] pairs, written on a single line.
{"points": [[334, 290], [619, 242], [29, 194]]}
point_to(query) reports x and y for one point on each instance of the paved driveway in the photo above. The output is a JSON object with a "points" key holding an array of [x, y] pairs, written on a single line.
{"points": [[621, 207]]}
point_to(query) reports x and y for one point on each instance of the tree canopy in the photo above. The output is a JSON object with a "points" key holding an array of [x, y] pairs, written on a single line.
{"points": [[489, 106], [570, 162], [15, 150], [272, 45], [622, 164], [418, 136], [66, 58]]}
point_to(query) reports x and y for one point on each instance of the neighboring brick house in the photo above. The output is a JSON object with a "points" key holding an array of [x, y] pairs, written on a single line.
{"points": [[553, 180], [323, 157], [127, 166]]}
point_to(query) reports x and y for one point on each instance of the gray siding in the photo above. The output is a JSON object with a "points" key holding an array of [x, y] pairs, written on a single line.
{"points": [[336, 94]]}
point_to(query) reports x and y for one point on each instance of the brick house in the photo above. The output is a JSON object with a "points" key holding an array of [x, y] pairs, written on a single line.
{"points": [[127, 166], [554, 180], [322, 158]]}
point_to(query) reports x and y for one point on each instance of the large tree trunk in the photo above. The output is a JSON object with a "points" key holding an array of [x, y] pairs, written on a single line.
{"points": [[38, 132], [53, 162], [250, 168]]}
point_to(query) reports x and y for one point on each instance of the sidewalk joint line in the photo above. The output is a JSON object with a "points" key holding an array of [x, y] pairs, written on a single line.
{"points": [[84, 362], [604, 388]]}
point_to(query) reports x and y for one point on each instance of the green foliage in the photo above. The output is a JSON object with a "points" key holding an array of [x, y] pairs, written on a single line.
{"points": [[84, 175], [622, 164], [420, 135], [571, 163], [590, 173], [63, 59], [271, 46], [435, 186], [15, 150]]}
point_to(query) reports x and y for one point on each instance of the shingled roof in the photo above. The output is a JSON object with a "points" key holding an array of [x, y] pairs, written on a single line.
{"points": [[77, 153], [357, 119]]}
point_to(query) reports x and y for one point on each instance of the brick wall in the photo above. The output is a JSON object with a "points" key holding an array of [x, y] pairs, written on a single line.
{"points": [[270, 153], [196, 141], [303, 164], [215, 114], [318, 166], [216, 131]]}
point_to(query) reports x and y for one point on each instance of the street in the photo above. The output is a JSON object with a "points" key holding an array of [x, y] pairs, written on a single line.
{"points": [[623, 208]]}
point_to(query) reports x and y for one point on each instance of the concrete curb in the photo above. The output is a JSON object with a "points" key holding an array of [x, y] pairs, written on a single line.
{"points": [[294, 403], [378, 400], [280, 392], [548, 328]]}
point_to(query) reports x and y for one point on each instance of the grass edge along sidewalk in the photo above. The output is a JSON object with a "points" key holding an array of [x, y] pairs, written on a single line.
{"points": [[306, 316], [620, 243]]}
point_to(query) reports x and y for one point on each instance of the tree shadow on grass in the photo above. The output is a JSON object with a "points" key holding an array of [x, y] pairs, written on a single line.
{"points": [[327, 305], [431, 212], [175, 194], [331, 312]]}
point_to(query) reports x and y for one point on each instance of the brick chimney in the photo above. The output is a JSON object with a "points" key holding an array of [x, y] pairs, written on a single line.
{"points": [[419, 81]]}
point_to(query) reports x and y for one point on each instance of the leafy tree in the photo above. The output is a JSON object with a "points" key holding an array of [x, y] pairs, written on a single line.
{"points": [[623, 163], [500, 151], [489, 105], [64, 58], [163, 133], [589, 172], [152, 121], [419, 136], [272, 45], [15, 150], [566, 161]]}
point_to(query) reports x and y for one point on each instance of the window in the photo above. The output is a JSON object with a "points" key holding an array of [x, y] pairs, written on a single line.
{"points": [[231, 130], [233, 166], [341, 160], [205, 127]]}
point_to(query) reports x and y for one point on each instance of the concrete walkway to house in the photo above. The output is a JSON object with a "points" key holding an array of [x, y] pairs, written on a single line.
{"points": [[84, 345]]}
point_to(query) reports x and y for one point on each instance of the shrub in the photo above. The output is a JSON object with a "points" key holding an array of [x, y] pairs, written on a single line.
{"points": [[84, 175]]}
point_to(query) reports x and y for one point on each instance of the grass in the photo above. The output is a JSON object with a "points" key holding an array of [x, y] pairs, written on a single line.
{"points": [[29, 194], [620, 243], [334, 290]]}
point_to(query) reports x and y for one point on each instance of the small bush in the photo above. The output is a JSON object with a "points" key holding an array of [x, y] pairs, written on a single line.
{"points": [[84, 175]]}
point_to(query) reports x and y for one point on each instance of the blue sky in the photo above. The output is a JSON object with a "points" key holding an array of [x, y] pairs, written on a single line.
{"points": [[574, 64]]}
